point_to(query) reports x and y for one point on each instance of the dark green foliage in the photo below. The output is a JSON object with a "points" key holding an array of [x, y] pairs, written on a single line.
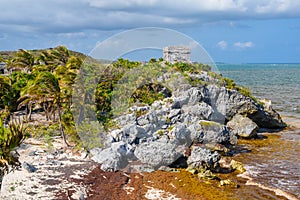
{"points": [[152, 60], [46, 80], [229, 83], [5, 94], [149, 93], [10, 138], [107, 81], [125, 63], [190, 67]]}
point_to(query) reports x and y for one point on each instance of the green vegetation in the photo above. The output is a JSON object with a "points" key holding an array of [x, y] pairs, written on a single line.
{"points": [[148, 94], [140, 113], [209, 124], [12, 188], [195, 68], [10, 138], [40, 80], [43, 81], [230, 84]]}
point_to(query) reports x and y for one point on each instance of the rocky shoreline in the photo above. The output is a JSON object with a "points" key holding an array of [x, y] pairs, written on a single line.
{"points": [[191, 129], [190, 137], [47, 172]]}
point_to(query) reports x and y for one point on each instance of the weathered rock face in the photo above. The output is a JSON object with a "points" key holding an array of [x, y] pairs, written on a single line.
{"points": [[159, 134], [115, 157], [203, 158], [158, 153], [243, 126], [267, 118], [215, 133], [226, 103]]}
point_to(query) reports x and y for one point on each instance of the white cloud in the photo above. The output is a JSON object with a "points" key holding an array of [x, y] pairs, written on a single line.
{"points": [[78, 15], [222, 45], [243, 45]]}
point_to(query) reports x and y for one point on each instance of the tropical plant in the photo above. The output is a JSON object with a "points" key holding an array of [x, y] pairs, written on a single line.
{"points": [[149, 93], [10, 138], [43, 90], [4, 92], [60, 55], [23, 59]]}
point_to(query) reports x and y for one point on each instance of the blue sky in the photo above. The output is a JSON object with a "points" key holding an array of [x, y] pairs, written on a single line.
{"points": [[233, 31]]}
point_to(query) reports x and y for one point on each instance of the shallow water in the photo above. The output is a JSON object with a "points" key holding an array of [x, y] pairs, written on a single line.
{"points": [[279, 83], [274, 162]]}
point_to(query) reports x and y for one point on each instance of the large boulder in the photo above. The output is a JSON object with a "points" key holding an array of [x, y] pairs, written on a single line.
{"points": [[158, 153], [203, 158], [267, 118], [227, 103], [211, 132], [115, 157], [201, 110], [243, 126], [181, 134]]}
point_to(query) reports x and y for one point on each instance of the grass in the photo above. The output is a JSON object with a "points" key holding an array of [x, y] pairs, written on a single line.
{"points": [[208, 123]]}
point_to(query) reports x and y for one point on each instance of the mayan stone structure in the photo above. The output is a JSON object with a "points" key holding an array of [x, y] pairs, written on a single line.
{"points": [[174, 54]]}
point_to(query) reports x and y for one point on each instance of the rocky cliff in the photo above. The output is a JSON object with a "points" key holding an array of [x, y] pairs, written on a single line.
{"points": [[191, 129]]}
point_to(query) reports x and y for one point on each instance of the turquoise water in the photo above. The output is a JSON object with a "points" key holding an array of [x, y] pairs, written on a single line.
{"points": [[274, 167], [279, 83]]}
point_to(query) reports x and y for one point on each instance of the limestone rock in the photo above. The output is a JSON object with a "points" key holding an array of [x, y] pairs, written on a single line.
{"points": [[28, 167], [157, 153], [115, 157], [201, 110], [181, 134], [203, 158], [213, 132], [243, 126]]}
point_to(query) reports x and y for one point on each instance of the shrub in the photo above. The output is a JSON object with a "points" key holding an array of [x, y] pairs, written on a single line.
{"points": [[246, 92], [229, 83], [10, 138], [148, 94]]}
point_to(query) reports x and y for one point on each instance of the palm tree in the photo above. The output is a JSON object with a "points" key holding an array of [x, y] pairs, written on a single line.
{"points": [[66, 77], [44, 90], [60, 55], [45, 61], [24, 60]]}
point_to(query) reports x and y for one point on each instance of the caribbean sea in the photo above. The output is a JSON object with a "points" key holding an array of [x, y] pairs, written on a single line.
{"points": [[273, 164]]}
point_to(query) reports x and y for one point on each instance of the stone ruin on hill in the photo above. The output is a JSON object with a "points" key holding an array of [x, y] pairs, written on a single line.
{"points": [[174, 54]]}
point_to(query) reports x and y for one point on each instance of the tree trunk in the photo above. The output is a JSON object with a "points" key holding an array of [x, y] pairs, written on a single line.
{"points": [[30, 112], [61, 128]]}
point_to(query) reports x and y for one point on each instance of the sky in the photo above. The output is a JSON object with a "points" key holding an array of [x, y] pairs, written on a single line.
{"points": [[231, 31]]}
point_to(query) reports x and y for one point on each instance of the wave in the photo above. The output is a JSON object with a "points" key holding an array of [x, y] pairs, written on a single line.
{"points": [[277, 191]]}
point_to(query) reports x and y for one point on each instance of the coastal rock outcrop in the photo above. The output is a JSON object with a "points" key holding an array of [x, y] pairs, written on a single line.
{"points": [[157, 135]]}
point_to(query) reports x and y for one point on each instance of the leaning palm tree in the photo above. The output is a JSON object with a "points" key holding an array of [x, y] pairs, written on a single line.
{"points": [[45, 91], [66, 77], [60, 55], [23, 59]]}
